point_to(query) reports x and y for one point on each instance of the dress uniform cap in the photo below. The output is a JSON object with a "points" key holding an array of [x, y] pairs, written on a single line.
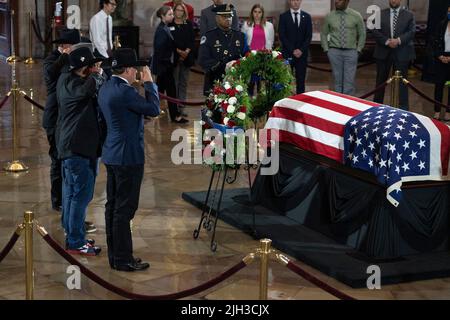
{"points": [[224, 9]]}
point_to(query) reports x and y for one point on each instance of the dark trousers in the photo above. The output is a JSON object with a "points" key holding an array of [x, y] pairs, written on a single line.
{"points": [[299, 68], [123, 188], [166, 85], [55, 171], [383, 72], [442, 76], [107, 71]]}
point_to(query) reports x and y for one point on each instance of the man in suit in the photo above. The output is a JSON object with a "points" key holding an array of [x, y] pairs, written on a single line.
{"points": [[208, 18], [295, 30], [53, 66], [123, 152], [220, 46], [394, 47]]}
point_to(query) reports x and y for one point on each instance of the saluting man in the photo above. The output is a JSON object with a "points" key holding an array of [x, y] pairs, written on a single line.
{"points": [[220, 46]]}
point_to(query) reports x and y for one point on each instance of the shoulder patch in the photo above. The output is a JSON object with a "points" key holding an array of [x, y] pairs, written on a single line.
{"points": [[203, 40]]}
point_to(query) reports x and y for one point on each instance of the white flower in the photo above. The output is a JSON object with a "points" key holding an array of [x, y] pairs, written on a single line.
{"points": [[244, 58], [239, 88], [254, 52], [231, 108], [216, 99], [227, 86], [241, 115], [275, 54], [232, 101], [220, 100], [209, 113], [225, 120]]}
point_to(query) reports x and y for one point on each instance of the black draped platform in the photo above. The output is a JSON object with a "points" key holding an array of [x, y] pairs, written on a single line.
{"points": [[338, 220]]}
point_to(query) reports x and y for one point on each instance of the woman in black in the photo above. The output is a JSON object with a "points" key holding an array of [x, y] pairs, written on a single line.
{"points": [[441, 52], [163, 60], [184, 37]]}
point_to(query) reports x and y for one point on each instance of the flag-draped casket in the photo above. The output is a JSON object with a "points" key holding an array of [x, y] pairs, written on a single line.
{"points": [[394, 145]]}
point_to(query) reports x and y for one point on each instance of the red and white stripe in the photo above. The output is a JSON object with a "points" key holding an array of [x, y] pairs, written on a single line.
{"points": [[315, 121]]}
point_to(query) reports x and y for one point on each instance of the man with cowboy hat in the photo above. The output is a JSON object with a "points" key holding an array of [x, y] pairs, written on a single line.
{"points": [[220, 46], [123, 152], [53, 65], [79, 145]]}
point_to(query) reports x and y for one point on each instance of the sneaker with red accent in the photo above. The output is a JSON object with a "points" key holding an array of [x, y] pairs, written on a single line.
{"points": [[86, 250]]}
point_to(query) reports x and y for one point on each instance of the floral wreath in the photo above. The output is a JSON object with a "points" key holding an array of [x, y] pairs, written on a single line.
{"points": [[229, 106]]}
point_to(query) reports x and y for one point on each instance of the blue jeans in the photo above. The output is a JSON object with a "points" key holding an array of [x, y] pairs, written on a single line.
{"points": [[78, 190]]}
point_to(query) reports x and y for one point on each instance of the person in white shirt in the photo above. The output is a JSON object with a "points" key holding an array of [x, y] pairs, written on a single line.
{"points": [[100, 28]]}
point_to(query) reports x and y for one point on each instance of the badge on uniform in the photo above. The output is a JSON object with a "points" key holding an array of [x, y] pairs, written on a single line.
{"points": [[203, 40], [225, 52], [172, 28], [238, 43]]}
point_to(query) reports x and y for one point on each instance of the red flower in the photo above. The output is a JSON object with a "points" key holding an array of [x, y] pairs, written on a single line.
{"points": [[218, 90], [237, 63], [232, 92], [224, 105], [243, 109], [231, 123]]}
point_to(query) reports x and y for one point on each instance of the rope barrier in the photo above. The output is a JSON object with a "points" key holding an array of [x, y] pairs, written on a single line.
{"points": [[362, 65], [134, 296], [379, 88], [424, 96], [194, 70], [5, 98], [36, 104], [312, 279], [11, 242], [181, 102]]}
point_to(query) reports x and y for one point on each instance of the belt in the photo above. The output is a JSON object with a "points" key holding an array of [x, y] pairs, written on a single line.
{"points": [[342, 48]]}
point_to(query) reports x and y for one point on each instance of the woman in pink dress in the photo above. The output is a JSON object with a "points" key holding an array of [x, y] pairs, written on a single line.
{"points": [[259, 33]]}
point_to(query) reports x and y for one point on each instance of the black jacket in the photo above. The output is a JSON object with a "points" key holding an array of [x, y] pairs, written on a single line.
{"points": [[184, 37], [53, 66], [438, 45], [78, 130], [164, 50]]}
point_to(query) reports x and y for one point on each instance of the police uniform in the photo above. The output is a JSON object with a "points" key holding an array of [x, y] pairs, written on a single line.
{"points": [[217, 48]]}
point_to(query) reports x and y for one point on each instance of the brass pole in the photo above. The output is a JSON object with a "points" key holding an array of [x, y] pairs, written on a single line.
{"points": [[117, 43], [13, 58], [29, 221], [444, 101], [395, 89], [264, 266], [15, 165], [30, 59]]}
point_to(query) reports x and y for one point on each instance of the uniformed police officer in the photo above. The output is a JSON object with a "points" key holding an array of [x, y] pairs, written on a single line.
{"points": [[220, 46]]}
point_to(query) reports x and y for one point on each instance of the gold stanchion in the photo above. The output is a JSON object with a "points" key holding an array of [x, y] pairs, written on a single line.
{"points": [[28, 221], [117, 43], [264, 252], [30, 59], [444, 101], [13, 58], [15, 165], [395, 89]]}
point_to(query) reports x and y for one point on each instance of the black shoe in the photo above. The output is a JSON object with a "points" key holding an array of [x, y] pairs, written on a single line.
{"points": [[130, 267], [182, 120], [137, 260]]}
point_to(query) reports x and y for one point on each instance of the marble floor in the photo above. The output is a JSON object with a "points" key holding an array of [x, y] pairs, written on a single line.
{"points": [[164, 223]]}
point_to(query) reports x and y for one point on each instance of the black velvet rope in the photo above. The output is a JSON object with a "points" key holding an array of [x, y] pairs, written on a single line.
{"points": [[9, 246], [379, 88], [134, 296], [181, 102], [2, 103], [424, 96], [33, 102], [322, 285]]}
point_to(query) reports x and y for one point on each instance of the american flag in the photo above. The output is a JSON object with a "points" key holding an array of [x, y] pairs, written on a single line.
{"points": [[395, 145]]}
